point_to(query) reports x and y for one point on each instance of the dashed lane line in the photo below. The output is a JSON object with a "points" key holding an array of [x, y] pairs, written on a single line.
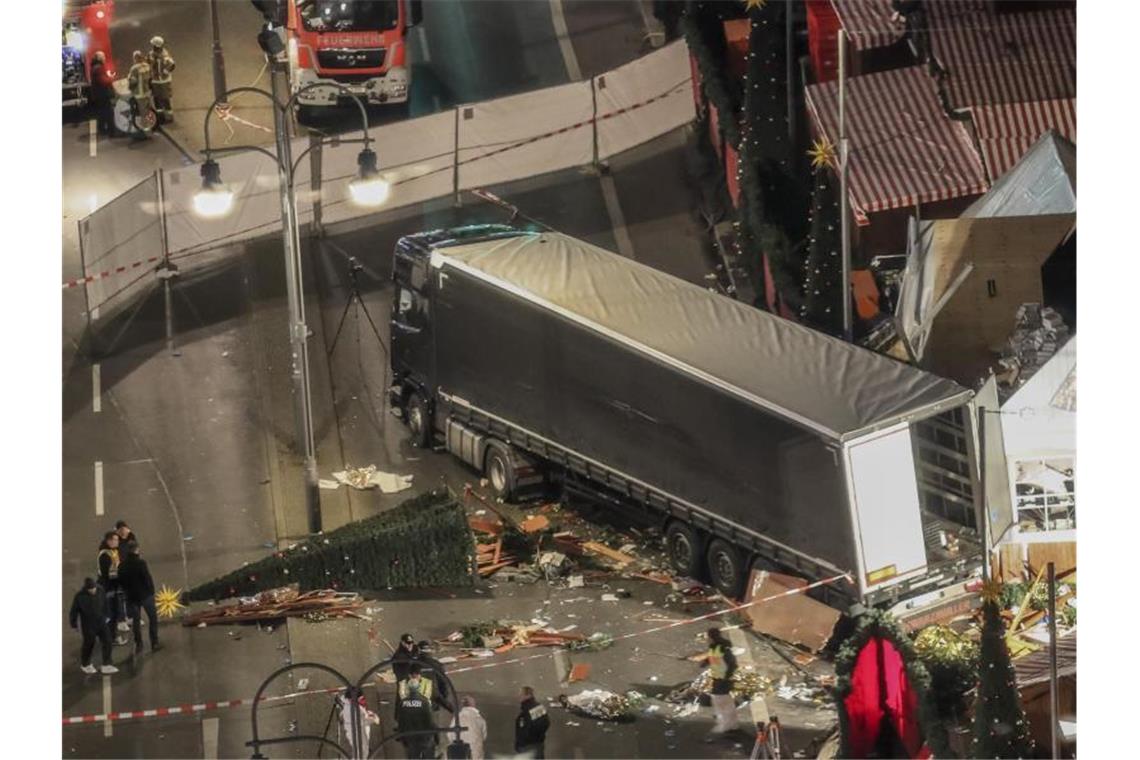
{"points": [[564, 42], [98, 489], [108, 728], [210, 738], [92, 137], [96, 389]]}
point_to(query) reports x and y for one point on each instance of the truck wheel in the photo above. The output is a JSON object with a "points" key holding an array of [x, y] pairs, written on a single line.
{"points": [[726, 571], [419, 421], [683, 547], [499, 471]]}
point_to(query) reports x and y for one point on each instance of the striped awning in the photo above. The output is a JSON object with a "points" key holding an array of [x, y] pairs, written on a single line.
{"points": [[903, 149], [868, 23], [1007, 131], [993, 58]]}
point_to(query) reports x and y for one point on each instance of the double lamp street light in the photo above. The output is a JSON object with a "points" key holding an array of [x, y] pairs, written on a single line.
{"points": [[216, 200]]}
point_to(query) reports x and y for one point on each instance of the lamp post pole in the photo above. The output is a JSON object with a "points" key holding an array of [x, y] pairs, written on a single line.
{"points": [[219, 59], [294, 286]]}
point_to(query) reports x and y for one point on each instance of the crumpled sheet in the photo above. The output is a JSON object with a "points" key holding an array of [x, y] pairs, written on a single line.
{"points": [[365, 478], [602, 704]]}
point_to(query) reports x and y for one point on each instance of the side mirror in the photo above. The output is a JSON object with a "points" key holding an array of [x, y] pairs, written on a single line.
{"points": [[417, 12]]}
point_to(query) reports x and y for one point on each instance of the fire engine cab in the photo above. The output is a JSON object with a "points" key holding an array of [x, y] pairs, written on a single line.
{"points": [[86, 30], [360, 44]]}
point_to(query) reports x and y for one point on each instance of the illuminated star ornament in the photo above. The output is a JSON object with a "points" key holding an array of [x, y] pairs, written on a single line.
{"points": [[991, 590], [754, 4], [168, 601], [822, 153]]}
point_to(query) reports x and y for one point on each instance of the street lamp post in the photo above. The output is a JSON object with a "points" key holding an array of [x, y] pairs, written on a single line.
{"points": [[219, 59], [216, 200]]}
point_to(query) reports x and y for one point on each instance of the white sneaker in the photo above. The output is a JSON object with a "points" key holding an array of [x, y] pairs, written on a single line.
{"points": [[108, 670], [124, 626], [120, 641], [88, 669]]}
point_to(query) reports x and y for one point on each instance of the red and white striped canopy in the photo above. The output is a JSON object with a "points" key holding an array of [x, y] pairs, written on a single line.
{"points": [[903, 149], [868, 23], [1007, 131]]}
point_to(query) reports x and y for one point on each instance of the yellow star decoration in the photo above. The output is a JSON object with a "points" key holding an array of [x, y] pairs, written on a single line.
{"points": [[168, 601], [991, 590], [757, 4], [822, 153]]}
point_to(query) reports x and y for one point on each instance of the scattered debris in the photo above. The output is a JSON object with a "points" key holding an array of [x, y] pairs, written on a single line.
{"points": [[534, 524], [280, 603], [599, 704], [364, 478], [580, 672]]}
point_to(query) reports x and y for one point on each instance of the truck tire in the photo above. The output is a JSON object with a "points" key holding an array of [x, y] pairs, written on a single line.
{"points": [[499, 470], [726, 568], [418, 419], [683, 546]]}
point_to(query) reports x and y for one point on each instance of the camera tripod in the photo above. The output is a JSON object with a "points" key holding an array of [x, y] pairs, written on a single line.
{"points": [[354, 270]]}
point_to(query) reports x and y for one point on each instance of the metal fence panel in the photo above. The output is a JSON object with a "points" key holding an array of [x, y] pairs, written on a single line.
{"points": [[120, 244]]}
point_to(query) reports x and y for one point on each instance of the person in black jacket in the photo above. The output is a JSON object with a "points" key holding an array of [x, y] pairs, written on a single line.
{"points": [[102, 95], [126, 535], [413, 714], [109, 558], [404, 656], [138, 587], [432, 669], [89, 616], [531, 725]]}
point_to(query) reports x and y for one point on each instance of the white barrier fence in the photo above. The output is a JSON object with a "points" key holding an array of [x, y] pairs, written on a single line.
{"points": [[471, 146]]}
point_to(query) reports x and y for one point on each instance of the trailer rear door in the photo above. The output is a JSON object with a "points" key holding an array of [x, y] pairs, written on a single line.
{"points": [[884, 495]]}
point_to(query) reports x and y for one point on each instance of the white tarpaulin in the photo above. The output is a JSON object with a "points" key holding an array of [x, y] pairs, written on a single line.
{"points": [[525, 135], [644, 99], [252, 177], [1039, 421], [415, 156], [127, 233], [1044, 181]]}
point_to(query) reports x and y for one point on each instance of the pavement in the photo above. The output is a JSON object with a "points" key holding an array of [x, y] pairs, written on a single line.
{"points": [[190, 440]]}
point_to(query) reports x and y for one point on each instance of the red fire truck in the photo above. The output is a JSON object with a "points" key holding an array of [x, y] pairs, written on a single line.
{"points": [[360, 44], [86, 30]]}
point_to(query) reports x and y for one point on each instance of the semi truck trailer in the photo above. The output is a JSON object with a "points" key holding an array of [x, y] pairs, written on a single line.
{"points": [[755, 442]]}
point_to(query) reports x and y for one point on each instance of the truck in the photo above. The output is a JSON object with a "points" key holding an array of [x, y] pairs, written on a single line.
{"points": [[85, 31], [358, 44], [754, 442]]}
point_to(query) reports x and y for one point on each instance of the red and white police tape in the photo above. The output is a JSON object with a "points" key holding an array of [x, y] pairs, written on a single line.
{"points": [[205, 706], [601, 117]]}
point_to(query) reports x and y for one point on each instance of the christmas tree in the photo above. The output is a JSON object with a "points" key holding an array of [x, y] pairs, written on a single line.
{"points": [[823, 269], [425, 541], [1000, 728]]}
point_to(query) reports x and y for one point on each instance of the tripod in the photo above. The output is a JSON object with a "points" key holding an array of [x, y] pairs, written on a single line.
{"points": [[354, 270]]}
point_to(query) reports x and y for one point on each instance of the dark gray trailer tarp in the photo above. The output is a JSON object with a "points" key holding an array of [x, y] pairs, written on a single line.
{"points": [[833, 388]]}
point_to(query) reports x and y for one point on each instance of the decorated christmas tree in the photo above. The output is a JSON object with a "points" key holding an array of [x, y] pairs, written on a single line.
{"points": [[823, 268], [1000, 727], [425, 541]]}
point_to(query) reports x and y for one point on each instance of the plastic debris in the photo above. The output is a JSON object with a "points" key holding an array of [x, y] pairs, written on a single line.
{"points": [[364, 478], [599, 704]]}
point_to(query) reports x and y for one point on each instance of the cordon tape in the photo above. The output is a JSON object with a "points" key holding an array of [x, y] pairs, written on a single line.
{"points": [[528, 141], [186, 709]]}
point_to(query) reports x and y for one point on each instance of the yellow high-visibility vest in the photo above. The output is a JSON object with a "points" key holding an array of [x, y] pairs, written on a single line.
{"points": [[425, 688], [717, 667]]}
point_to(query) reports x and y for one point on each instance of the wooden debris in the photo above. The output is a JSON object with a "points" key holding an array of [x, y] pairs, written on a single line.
{"points": [[281, 603], [601, 550], [580, 672], [534, 524]]}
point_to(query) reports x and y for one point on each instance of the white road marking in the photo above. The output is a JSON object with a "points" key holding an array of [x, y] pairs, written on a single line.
{"points": [[99, 489], [424, 50], [93, 201], [564, 43], [617, 219], [107, 730], [210, 738], [93, 137], [96, 389]]}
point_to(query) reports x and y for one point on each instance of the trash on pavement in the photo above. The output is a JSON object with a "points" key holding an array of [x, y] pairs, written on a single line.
{"points": [[534, 524], [599, 704], [280, 603], [364, 478]]}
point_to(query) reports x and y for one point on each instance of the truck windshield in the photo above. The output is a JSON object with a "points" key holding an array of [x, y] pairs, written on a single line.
{"points": [[349, 15]]}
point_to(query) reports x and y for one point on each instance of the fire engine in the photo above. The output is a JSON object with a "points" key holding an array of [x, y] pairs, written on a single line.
{"points": [[359, 44], [86, 31]]}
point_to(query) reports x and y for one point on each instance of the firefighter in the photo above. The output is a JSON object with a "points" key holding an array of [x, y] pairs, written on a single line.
{"points": [[161, 78], [138, 80], [413, 713], [722, 666]]}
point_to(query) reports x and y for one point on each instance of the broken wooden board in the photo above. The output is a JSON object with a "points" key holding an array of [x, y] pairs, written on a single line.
{"points": [[534, 524], [601, 550], [796, 619]]}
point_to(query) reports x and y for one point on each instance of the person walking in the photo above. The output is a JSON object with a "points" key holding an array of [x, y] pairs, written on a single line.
{"points": [[138, 588], [161, 78], [413, 713], [88, 615], [531, 725], [476, 727], [102, 95], [109, 579], [722, 666], [404, 656]]}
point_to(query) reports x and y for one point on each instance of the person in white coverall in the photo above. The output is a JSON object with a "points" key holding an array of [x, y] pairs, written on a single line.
{"points": [[471, 719]]}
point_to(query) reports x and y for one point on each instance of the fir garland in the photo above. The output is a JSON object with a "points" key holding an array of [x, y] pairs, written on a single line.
{"points": [[881, 624], [425, 541], [711, 66]]}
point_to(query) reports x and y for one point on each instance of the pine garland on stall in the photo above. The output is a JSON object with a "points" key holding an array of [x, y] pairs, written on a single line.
{"points": [[1000, 727], [703, 29], [882, 624], [425, 541], [823, 269]]}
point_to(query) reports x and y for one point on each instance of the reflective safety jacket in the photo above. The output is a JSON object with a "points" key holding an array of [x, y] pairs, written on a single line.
{"points": [[161, 65], [531, 725]]}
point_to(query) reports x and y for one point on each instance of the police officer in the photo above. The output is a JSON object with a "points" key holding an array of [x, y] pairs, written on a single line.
{"points": [[722, 666], [138, 80], [161, 78], [531, 725], [433, 671], [413, 713], [404, 656]]}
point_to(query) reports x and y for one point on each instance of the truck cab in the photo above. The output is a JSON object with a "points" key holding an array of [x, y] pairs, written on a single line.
{"points": [[85, 31], [357, 44]]}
